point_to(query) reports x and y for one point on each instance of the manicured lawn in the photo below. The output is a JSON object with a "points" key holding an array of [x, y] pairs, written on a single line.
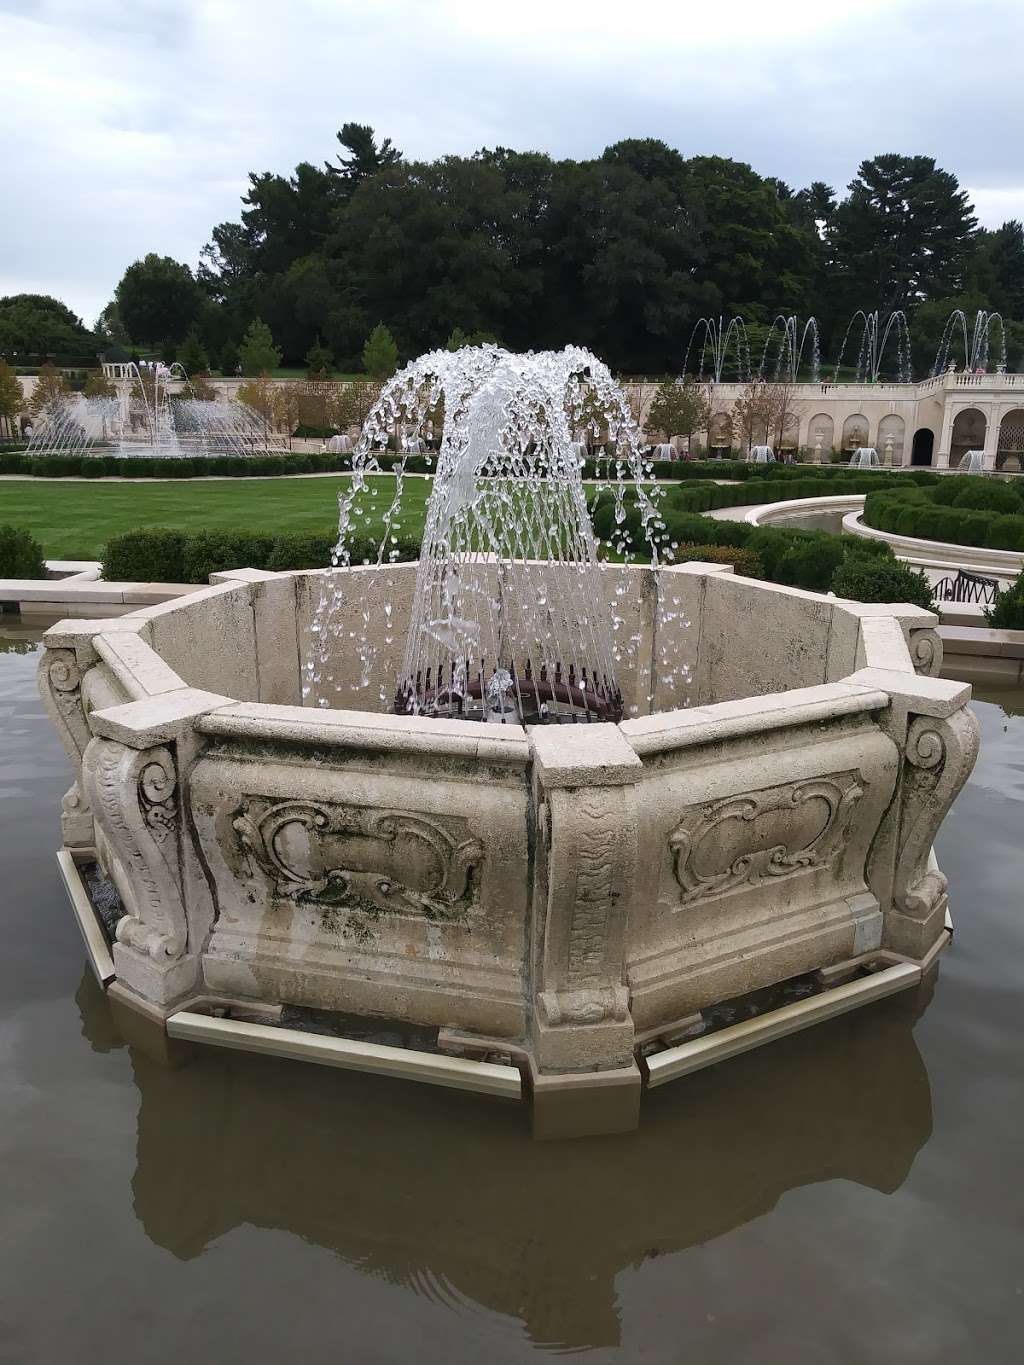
{"points": [[75, 520]]}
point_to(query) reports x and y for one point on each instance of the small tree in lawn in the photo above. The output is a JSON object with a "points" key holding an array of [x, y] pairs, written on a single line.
{"points": [[202, 388], [319, 361], [10, 394], [97, 385], [258, 394], [258, 353], [51, 390], [680, 407], [192, 355], [380, 354], [757, 413]]}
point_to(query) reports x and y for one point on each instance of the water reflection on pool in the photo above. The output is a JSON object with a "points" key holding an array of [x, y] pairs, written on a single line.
{"points": [[848, 1194]]}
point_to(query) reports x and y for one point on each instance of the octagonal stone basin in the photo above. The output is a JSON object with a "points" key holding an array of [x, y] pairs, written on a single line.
{"points": [[574, 895]]}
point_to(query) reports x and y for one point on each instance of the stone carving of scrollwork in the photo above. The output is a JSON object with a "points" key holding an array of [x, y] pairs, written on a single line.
{"points": [[356, 858], [926, 652], [938, 760], [757, 837], [134, 800]]}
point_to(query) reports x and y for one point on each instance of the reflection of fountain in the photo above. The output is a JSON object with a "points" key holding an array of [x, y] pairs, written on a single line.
{"points": [[761, 455], [507, 588], [975, 347], [865, 457], [972, 463], [718, 336], [873, 340], [208, 1135], [143, 417]]}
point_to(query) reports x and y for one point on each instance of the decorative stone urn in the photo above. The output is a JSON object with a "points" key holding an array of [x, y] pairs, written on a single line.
{"points": [[566, 898]]}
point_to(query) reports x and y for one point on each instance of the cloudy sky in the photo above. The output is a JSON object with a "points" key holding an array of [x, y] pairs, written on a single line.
{"points": [[131, 124]]}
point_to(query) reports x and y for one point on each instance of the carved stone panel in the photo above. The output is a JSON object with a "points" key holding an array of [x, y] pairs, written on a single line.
{"points": [[375, 862], [761, 837]]}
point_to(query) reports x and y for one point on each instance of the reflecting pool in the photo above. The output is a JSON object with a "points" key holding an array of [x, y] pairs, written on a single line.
{"points": [[850, 1194]]}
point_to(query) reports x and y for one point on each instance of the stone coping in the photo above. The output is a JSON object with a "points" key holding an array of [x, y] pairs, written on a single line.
{"points": [[763, 513], [1004, 644], [1003, 563]]}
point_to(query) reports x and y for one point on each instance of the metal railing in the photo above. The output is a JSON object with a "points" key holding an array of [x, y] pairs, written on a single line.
{"points": [[965, 586]]}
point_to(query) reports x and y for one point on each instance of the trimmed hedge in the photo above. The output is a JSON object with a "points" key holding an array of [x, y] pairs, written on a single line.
{"points": [[194, 467], [21, 555], [745, 562], [162, 555], [1007, 611], [963, 511], [867, 579]]}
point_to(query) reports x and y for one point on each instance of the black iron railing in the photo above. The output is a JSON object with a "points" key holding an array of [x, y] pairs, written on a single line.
{"points": [[967, 587]]}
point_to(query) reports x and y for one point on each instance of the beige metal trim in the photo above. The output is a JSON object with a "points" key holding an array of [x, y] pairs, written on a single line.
{"points": [[96, 945], [751, 1033], [457, 1073]]}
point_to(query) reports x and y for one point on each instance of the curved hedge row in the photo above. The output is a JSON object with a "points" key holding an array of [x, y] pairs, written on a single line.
{"points": [[962, 511]]}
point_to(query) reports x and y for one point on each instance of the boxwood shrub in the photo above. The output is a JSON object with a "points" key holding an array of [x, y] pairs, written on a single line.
{"points": [[867, 579], [1007, 611], [21, 555], [162, 555], [962, 511]]}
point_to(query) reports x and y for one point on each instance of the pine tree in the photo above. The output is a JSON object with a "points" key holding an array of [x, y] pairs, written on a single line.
{"points": [[380, 354], [258, 353], [192, 355], [229, 360]]}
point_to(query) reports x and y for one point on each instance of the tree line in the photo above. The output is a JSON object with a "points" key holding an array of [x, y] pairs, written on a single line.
{"points": [[621, 253]]}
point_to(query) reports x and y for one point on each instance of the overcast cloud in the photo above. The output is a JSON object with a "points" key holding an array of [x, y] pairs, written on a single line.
{"points": [[131, 127]]}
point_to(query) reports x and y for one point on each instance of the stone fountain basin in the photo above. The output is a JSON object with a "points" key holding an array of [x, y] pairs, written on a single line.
{"points": [[573, 890]]}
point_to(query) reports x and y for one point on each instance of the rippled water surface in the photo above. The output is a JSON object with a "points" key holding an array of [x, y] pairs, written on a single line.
{"points": [[851, 1194]]}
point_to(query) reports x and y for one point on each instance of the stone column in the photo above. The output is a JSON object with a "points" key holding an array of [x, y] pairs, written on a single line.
{"points": [[585, 1078], [942, 450], [991, 447]]}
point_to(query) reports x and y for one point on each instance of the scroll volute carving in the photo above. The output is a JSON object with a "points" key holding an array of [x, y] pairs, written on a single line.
{"points": [[926, 652], [940, 754], [60, 684], [133, 794]]}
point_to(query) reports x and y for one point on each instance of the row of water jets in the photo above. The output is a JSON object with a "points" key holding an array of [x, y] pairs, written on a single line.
{"points": [[143, 417], [790, 353]]}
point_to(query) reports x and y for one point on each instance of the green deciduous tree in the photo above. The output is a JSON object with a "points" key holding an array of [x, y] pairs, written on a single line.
{"points": [[97, 385], [37, 324], [380, 354], [680, 407], [257, 353], [158, 299]]}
